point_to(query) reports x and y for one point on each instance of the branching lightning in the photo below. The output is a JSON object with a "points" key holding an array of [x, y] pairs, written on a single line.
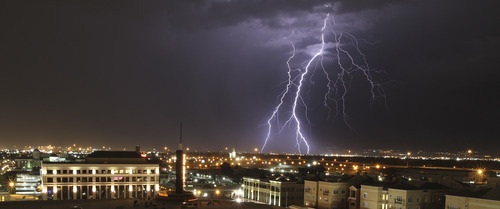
{"points": [[347, 57]]}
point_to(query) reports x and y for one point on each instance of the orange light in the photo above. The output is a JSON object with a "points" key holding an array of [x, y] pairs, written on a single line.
{"points": [[143, 155]]}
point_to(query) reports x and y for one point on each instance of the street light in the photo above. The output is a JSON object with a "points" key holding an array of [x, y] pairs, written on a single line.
{"points": [[12, 186], [217, 192]]}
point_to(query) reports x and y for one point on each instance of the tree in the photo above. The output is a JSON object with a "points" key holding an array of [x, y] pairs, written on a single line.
{"points": [[226, 169]]}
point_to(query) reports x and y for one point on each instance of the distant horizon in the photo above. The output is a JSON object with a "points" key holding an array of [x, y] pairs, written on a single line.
{"points": [[229, 149]]}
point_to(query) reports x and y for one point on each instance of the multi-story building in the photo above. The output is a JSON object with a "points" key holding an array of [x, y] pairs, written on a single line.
{"points": [[28, 184], [311, 189], [105, 175], [281, 191], [353, 198], [407, 198], [4, 196], [326, 194], [332, 195], [373, 197], [488, 200], [401, 196]]}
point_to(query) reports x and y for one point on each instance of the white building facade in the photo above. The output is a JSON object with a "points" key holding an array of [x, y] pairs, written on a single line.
{"points": [[75, 181], [279, 193]]}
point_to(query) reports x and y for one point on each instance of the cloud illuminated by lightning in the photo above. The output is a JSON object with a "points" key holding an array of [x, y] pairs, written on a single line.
{"points": [[348, 60]]}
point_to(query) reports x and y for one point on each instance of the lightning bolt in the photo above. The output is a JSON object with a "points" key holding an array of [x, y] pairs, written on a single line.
{"points": [[349, 59], [282, 97]]}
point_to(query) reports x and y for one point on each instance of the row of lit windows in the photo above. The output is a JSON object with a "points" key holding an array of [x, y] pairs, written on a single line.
{"points": [[327, 191], [100, 179], [102, 171], [264, 186]]}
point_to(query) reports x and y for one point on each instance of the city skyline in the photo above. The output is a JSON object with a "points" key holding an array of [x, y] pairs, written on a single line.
{"points": [[126, 73]]}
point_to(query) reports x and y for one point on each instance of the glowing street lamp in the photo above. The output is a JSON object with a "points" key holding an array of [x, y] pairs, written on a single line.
{"points": [[11, 185], [217, 192]]}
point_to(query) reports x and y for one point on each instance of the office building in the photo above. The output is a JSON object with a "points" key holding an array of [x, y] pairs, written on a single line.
{"points": [[280, 191], [104, 175]]}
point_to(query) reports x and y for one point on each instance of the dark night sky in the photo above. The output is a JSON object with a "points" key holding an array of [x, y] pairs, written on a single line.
{"points": [[120, 73]]}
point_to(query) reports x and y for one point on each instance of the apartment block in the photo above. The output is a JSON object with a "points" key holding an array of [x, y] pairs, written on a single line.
{"points": [[325, 194], [476, 200], [402, 196]]}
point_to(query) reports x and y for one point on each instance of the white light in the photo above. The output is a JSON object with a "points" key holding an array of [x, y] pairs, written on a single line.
{"points": [[74, 171], [112, 171], [205, 194], [148, 188], [94, 171], [130, 188], [93, 189], [238, 200], [157, 187], [75, 189], [130, 171], [112, 189]]}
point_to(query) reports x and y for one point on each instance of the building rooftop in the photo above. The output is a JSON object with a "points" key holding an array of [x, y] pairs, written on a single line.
{"points": [[433, 186], [115, 157], [114, 154]]}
